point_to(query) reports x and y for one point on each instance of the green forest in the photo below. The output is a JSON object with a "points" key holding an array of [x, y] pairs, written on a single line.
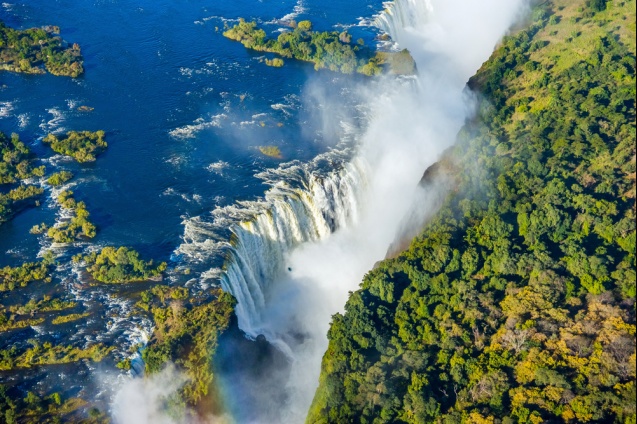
{"points": [[516, 303]]}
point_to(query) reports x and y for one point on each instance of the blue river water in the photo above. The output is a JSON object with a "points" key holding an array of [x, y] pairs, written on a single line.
{"points": [[184, 110], [174, 97]]}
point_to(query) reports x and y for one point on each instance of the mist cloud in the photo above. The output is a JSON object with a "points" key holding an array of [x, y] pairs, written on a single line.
{"points": [[148, 400], [412, 122]]}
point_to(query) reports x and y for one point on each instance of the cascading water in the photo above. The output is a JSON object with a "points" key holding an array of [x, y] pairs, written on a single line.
{"points": [[402, 16], [307, 213], [310, 212]]}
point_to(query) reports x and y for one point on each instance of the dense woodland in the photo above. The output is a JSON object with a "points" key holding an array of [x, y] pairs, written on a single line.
{"points": [[35, 50], [517, 301], [187, 334]]}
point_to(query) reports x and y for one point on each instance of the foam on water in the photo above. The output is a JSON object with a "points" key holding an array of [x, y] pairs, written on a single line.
{"points": [[23, 120], [53, 125], [218, 167], [299, 8], [191, 130], [6, 109]]}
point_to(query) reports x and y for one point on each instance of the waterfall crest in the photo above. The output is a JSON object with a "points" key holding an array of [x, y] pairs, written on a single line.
{"points": [[260, 246], [402, 16], [250, 240]]}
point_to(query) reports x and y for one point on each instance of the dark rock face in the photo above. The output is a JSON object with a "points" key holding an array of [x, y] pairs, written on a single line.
{"points": [[443, 169]]}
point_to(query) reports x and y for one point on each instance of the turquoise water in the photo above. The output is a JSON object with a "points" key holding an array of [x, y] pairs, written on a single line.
{"points": [[184, 110]]}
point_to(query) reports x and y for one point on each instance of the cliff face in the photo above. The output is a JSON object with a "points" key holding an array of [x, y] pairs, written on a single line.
{"points": [[517, 301]]}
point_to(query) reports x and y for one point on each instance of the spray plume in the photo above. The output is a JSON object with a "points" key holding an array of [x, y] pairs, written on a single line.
{"points": [[412, 122]]}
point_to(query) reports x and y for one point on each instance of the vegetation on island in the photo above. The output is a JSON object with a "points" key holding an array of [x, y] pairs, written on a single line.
{"points": [[10, 323], [120, 265], [59, 178], [63, 319], [186, 334], [83, 146], [16, 162], [517, 301], [16, 165], [49, 354], [276, 62], [46, 304], [49, 409], [327, 50], [20, 276], [17, 199], [271, 151], [72, 229], [35, 50], [8, 316]]}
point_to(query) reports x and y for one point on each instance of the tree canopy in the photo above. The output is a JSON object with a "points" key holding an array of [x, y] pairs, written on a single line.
{"points": [[517, 301]]}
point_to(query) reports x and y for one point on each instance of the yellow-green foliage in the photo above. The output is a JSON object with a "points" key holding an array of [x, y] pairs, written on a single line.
{"points": [[82, 146], [161, 294], [46, 304], [517, 301], [199, 327], [63, 319], [20, 276], [48, 354], [11, 202], [276, 62], [59, 178], [24, 192], [70, 230], [31, 407], [124, 364], [35, 49], [400, 63], [10, 323], [16, 160], [272, 151], [120, 265], [16, 164]]}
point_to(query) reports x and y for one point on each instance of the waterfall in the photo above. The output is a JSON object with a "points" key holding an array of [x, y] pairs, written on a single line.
{"points": [[402, 16], [292, 258], [306, 202], [307, 213]]}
